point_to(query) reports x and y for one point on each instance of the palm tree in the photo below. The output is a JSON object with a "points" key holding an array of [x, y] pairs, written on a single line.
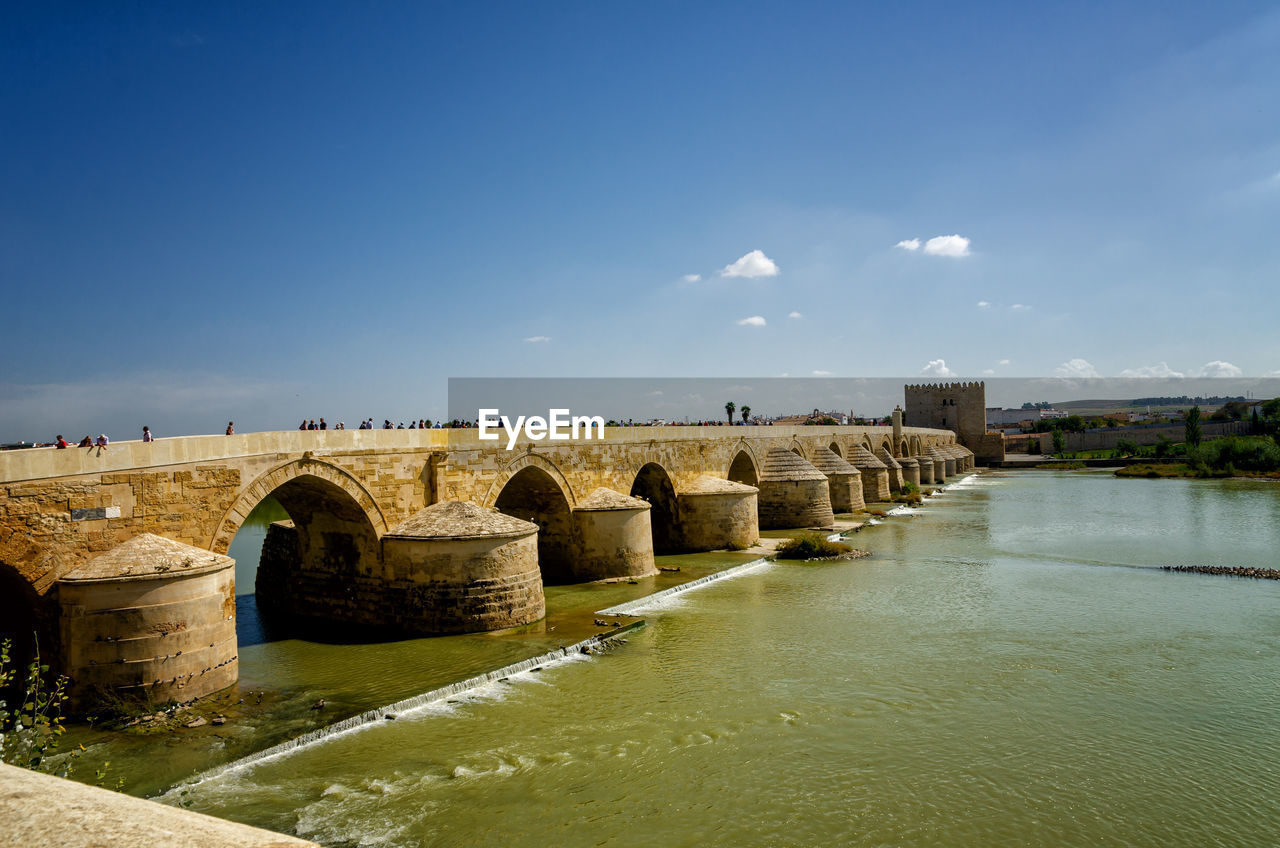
{"points": [[746, 413], [729, 408]]}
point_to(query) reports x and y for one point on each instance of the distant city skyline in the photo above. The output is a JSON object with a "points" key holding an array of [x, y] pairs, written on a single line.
{"points": [[261, 214]]}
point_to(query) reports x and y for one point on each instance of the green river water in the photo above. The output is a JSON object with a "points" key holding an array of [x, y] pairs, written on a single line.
{"points": [[1009, 668]]}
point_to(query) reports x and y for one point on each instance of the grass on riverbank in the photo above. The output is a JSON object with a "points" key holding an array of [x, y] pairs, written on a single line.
{"points": [[1169, 470]]}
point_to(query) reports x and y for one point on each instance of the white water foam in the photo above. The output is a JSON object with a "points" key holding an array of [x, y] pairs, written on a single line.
{"points": [[967, 482], [667, 597], [904, 510], [487, 685]]}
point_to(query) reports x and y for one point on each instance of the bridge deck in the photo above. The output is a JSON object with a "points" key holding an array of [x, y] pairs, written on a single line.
{"points": [[47, 463]]}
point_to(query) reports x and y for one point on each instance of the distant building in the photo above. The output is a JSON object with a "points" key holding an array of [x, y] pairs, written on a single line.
{"points": [[998, 418], [1052, 413]]}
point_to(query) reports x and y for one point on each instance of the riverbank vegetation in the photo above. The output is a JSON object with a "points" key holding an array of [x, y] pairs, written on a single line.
{"points": [[1230, 456], [812, 546], [910, 495]]}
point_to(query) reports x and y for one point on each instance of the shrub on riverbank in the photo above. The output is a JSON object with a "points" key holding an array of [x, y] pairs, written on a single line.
{"points": [[909, 495], [1236, 453], [811, 546]]}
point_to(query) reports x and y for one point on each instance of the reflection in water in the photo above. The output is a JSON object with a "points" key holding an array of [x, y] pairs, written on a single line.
{"points": [[979, 681]]}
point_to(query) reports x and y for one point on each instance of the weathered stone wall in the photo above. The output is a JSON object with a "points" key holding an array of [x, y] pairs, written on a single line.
{"points": [[1109, 438], [785, 504], [959, 407], [460, 585], [714, 520], [164, 637], [612, 543], [58, 508]]}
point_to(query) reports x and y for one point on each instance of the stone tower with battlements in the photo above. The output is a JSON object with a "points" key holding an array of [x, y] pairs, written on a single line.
{"points": [[959, 407]]}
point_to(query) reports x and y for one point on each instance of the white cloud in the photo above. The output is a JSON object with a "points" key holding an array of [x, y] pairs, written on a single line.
{"points": [[1077, 368], [795, 315], [984, 304], [909, 244], [1160, 369], [953, 245], [654, 393], [691, 278], [753, 321], [1003, 362], [988, 371], [1217, 368], [937, 368], [822, 373], [537, 339], [1020, 306], [753, 264], [1272, 374]]}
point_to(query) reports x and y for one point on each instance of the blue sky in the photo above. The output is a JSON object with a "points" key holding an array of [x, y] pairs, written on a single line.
{"points": [[271, 211]]}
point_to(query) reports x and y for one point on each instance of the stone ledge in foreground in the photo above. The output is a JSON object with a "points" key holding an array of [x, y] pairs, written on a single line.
{"points": [[39, 809]]}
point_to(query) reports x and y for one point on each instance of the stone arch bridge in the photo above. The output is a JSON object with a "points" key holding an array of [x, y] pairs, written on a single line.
{"points": [[118, 557]]}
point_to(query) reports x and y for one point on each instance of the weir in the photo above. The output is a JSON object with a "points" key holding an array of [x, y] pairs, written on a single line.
{"points": [[380, 715]]}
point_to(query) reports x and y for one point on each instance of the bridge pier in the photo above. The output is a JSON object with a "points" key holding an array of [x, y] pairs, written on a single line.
{"points": [[792, 493], [151, 618], [939, 460], [910, 470], [875, 474], [894, 468], [455, 567], [614, 537], [844, 482], [717, 514]]}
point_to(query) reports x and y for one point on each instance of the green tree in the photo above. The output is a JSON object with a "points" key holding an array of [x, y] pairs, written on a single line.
{"points": [[729, 408], [1058, 441], [1191, 431], [746, 413]]}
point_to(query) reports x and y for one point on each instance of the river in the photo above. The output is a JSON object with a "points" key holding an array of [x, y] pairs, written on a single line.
{"points": [[1009, 668]]}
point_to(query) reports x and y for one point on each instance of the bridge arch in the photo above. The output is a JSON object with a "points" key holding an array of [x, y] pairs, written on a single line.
{"points": [[515, 466], [309, 488], [744, 468], [532, 489], [653, 483], [835, 448]]}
